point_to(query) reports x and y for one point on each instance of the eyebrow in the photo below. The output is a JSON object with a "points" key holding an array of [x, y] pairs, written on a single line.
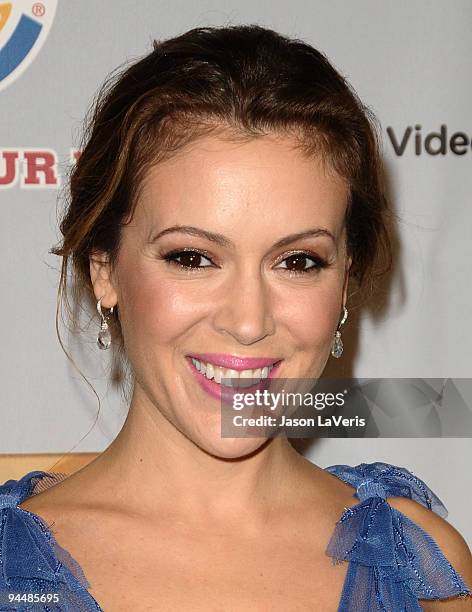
{"points": [[191, 230]]}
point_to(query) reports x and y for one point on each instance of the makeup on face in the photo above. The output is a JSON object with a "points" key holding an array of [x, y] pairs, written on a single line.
{"points": [[231, 276]]}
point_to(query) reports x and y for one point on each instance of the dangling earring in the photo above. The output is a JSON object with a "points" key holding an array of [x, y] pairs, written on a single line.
{"points": [[104, 336], [337, 346]]}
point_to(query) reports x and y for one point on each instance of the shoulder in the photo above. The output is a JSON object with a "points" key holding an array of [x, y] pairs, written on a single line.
{"points": [[34, 508], [423, 551], [449, 540], [32, 560], [451, 544]]}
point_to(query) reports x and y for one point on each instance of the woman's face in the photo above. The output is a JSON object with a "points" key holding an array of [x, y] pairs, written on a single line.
{"points": [[239, 283]]}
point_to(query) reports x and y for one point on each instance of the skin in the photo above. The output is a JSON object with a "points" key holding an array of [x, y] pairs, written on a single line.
{"points": [[253, 512], [238, 305]]}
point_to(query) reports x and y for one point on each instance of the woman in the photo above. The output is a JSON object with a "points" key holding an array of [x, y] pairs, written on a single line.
{"points": [[227, 191]]}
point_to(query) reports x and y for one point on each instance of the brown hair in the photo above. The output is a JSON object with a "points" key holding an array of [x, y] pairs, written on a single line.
{"points": [[246, 81]]}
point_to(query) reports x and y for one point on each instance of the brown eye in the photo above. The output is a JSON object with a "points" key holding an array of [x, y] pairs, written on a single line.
{"points": [[187, 259], [302, 263]]}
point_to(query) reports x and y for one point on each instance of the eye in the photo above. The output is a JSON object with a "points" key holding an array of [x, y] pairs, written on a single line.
{"points": [[187, 259], [301, 263], [297, 264]]}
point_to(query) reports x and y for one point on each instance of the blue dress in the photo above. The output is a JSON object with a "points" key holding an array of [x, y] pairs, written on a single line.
{"points": [[392, 561]]}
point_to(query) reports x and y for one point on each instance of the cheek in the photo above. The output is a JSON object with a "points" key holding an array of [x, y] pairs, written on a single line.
{"points": [[155, 309], [312, 316]]}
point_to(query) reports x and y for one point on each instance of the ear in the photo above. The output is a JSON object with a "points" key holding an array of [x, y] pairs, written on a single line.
{"points": [[346, 279], [101, 277]]}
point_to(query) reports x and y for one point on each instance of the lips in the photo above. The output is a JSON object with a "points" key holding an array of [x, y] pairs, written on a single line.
{"points": [[226, 394], [234, 362]]}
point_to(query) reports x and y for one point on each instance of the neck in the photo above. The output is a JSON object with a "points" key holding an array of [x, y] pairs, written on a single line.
{"points": [[168, 471]]}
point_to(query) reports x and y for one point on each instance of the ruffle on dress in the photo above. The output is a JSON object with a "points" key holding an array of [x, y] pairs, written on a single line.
{"points": [[32, 564], [392, 561]]}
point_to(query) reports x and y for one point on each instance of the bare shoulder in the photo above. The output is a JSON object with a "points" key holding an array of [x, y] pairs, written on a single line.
{"points": [[61, 495], [330, 494], [451, 543], [48, 504], [86, 489], [71, 510]]}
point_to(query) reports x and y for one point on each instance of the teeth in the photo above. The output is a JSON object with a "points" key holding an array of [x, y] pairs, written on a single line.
{"points": [[217, 377], [240, 378], [246, 377], [250, 373], [210, 372]]}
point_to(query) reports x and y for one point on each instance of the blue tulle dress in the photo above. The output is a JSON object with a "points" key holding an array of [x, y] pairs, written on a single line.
{"points": [[393, 563]]}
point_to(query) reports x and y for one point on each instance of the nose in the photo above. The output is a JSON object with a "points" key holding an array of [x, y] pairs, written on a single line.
{"points": [[244, 310]]}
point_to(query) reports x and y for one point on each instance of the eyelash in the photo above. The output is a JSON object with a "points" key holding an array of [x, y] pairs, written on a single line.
{"points": [[319, 263]]}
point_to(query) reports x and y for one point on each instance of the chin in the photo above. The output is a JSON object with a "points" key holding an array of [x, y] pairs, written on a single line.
{"points": [[231, 448]]}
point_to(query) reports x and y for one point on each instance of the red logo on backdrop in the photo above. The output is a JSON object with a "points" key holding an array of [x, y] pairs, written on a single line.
{"points": [[38, 9], [31, 168]]}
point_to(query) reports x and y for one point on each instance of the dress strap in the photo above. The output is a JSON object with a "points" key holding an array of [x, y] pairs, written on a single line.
{"points": [[13, 492], [392, 561], [385, 480]]}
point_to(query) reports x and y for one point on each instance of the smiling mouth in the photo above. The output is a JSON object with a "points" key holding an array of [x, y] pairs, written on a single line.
{"points": [[230, 377]]}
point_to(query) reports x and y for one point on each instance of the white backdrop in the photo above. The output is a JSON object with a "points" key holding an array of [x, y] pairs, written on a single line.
{"points": [[410, 62]]}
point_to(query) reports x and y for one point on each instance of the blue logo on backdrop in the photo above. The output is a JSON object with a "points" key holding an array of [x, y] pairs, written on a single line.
{"points": [[24, 26]]}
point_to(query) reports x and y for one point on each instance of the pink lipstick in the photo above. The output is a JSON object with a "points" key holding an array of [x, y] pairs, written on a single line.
{"points": [[222, 392], [234, 362]]}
